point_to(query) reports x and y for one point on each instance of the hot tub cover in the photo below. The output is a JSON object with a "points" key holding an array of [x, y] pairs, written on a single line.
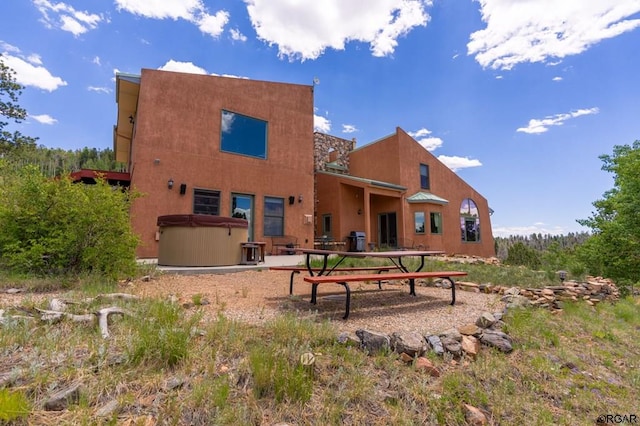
{"points": [[201, 220]]}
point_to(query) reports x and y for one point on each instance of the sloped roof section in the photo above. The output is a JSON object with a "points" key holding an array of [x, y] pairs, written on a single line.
{"points": [[426, 197]]}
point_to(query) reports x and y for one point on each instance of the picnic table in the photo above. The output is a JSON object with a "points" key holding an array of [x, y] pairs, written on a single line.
{"points": [[325, 274]]}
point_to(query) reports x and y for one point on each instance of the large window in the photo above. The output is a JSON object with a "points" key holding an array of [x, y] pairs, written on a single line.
{"points": [[206, 202], [436, 222], [243, 135], [424, 176], [469, 221], [419, 222], [273, 217]]}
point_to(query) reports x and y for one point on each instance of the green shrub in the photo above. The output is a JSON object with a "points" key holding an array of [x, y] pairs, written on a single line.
{"points": [[55, 227], [13, 406]]}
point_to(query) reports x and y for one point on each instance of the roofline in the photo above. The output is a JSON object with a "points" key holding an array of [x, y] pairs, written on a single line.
{"points": [[373, 182]]}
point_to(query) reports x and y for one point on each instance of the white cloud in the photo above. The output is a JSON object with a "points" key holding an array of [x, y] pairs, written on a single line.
{"points": [[29, 69], [6, 47], [99, 89], [193, 11], [237, 35], [213, 24], [188, 67], [542, 125], [44, 119], [557, 78], [349, 128], [546, 30], [65, 17], [305, 28], [321, 124], [457, 163], [191, 68], [526, 230], [429, 143], [96, 61]]}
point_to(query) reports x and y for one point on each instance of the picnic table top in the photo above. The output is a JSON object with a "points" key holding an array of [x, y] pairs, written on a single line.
{"points": [[385, 254]]}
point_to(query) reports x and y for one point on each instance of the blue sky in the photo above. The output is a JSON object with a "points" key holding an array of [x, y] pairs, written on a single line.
{"points": [[518, 97]]}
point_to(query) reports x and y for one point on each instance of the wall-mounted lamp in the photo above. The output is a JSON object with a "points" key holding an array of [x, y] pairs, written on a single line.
{"points": [[292, 199], [156, 161], [300, 198], [131, 119], [170, 183], [359, 211]]}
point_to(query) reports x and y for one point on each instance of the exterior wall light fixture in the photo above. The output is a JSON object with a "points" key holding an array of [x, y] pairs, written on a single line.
{"points": [[292, 199], [300, 198], [170, 183]]}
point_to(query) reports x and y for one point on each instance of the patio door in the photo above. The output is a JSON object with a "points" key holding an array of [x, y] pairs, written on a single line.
{"points": [[242, 207], [387, 230]]}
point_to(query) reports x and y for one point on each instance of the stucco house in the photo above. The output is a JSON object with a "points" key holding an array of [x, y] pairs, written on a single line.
{"points": [[400, 195], [202, 144]]}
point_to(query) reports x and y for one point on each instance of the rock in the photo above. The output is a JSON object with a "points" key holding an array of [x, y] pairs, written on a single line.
{"points": [[513, 291], [61, 399], [547, 292], [451, 345], [470, 330], [107, 409], [497, 339], [498, 315], [452, 333], [436, 344], [146, 278], [423, 364], [471, 346], [485, 320], [411, 343], [372, 341], [406, 358], [14, 290], [173, 383], [516, 302], [348, 338], [474, 416]]}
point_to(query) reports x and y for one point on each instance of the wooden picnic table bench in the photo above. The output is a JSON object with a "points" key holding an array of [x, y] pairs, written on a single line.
{"points": [[297, 269], [344, 280]]}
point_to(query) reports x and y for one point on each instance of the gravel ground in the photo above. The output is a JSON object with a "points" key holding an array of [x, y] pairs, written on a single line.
{"points": [[258, 296]]}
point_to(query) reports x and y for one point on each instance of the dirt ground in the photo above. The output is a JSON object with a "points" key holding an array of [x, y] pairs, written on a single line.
{"points": [[258, 296]]}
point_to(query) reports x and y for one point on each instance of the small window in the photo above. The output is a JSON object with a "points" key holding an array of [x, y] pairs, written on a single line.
{"points": [[326, 225], [424, 176], [206, 202], [273, 217], [436, 222], [243, 135], [419, 222]]}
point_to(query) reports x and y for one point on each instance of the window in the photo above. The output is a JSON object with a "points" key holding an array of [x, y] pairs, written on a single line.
{"points": [[436, 222], [206, 202], [419, 222], [273, 217], [326, 225], [469, 221], [424, 176], [243, 135]]}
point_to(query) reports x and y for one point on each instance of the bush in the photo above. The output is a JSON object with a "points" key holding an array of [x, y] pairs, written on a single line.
{"points": [[53, 226]]}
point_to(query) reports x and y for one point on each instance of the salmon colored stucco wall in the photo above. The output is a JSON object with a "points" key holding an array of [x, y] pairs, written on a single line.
{"points": [[396, 159], [177, 136]]}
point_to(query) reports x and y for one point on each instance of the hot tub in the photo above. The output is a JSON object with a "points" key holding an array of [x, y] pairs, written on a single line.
{"points": [[200, 240]]}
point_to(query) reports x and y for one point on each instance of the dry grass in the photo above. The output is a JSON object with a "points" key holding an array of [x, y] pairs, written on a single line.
{"points": [[206, 364]]}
